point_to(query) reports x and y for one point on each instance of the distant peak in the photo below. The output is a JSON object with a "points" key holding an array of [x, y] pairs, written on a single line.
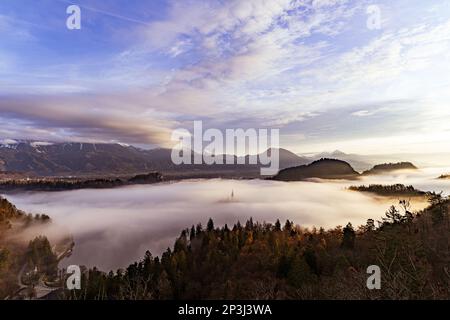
{"points": [[338, 153], [8, 141], [123, 144], [36, 144]]}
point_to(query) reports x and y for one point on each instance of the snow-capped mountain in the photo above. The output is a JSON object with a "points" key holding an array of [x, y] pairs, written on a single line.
{"points": [[52, 158], [75, 158]]}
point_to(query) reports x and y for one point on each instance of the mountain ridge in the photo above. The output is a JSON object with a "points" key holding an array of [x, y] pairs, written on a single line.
{"points": [[80, 158], [43, 158]]}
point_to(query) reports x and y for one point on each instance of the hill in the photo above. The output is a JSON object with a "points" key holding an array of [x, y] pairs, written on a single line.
{"points": [[390, 167], [259, 261], [23, 269], [289, 159], [323, 169]]}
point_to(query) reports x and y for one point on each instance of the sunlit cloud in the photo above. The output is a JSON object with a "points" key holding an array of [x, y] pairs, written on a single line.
{"points": [[134, 75]]}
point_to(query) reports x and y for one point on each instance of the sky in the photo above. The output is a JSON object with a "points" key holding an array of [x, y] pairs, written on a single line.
{"points": [[320, 71]]}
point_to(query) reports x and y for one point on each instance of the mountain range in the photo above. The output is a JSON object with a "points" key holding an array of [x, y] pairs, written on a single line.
{"points": [[60, 159], [33, 158], [358, 162]]}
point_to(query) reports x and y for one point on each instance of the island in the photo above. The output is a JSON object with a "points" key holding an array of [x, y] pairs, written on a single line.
{"points": [[391, 190], [390, 167], [322, 169]]}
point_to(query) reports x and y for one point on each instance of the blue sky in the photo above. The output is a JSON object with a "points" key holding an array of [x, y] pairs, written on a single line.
{"points": [[312, 68]]}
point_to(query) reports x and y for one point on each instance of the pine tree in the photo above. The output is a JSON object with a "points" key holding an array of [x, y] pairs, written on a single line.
{"points": [[348, 241], [278, 225], [370, 225], [288, 226], [210, 225], [439, 210], [192, 233], [393, 216]]}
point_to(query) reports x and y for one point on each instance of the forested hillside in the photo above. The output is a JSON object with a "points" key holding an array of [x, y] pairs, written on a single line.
{"points": [[271, 261], [323, 169], [18, 257], [389, 167]]}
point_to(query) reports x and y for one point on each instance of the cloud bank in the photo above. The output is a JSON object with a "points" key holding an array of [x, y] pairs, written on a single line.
{"points": [[115, 227]]}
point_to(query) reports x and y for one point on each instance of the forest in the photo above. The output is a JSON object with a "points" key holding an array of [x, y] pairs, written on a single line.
{"points": [[274, 261], [255, 261]]}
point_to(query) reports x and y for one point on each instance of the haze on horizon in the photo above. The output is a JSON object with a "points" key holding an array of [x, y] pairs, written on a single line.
{"points": [[311, 68]]}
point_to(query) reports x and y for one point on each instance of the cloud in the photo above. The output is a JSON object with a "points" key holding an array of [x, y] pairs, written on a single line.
{"points": [[241, 42], [85, 118], [115, 227], [11, 28], [236, 63], [363, 113]]}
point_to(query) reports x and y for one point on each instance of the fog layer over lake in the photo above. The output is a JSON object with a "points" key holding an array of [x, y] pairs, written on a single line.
{"points": [[114, 227]]}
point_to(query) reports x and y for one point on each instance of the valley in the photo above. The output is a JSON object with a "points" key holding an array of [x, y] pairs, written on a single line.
{"points": [[105, 214]]}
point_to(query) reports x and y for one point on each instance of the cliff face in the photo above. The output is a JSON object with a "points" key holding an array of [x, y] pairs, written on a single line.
{"points": [[323, 169]]}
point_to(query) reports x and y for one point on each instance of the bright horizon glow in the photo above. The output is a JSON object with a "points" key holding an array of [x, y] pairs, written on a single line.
{"points": [[311, 68]]}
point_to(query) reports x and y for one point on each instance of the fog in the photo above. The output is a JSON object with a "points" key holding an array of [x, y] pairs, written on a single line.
{"points": [[114, 227]]}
